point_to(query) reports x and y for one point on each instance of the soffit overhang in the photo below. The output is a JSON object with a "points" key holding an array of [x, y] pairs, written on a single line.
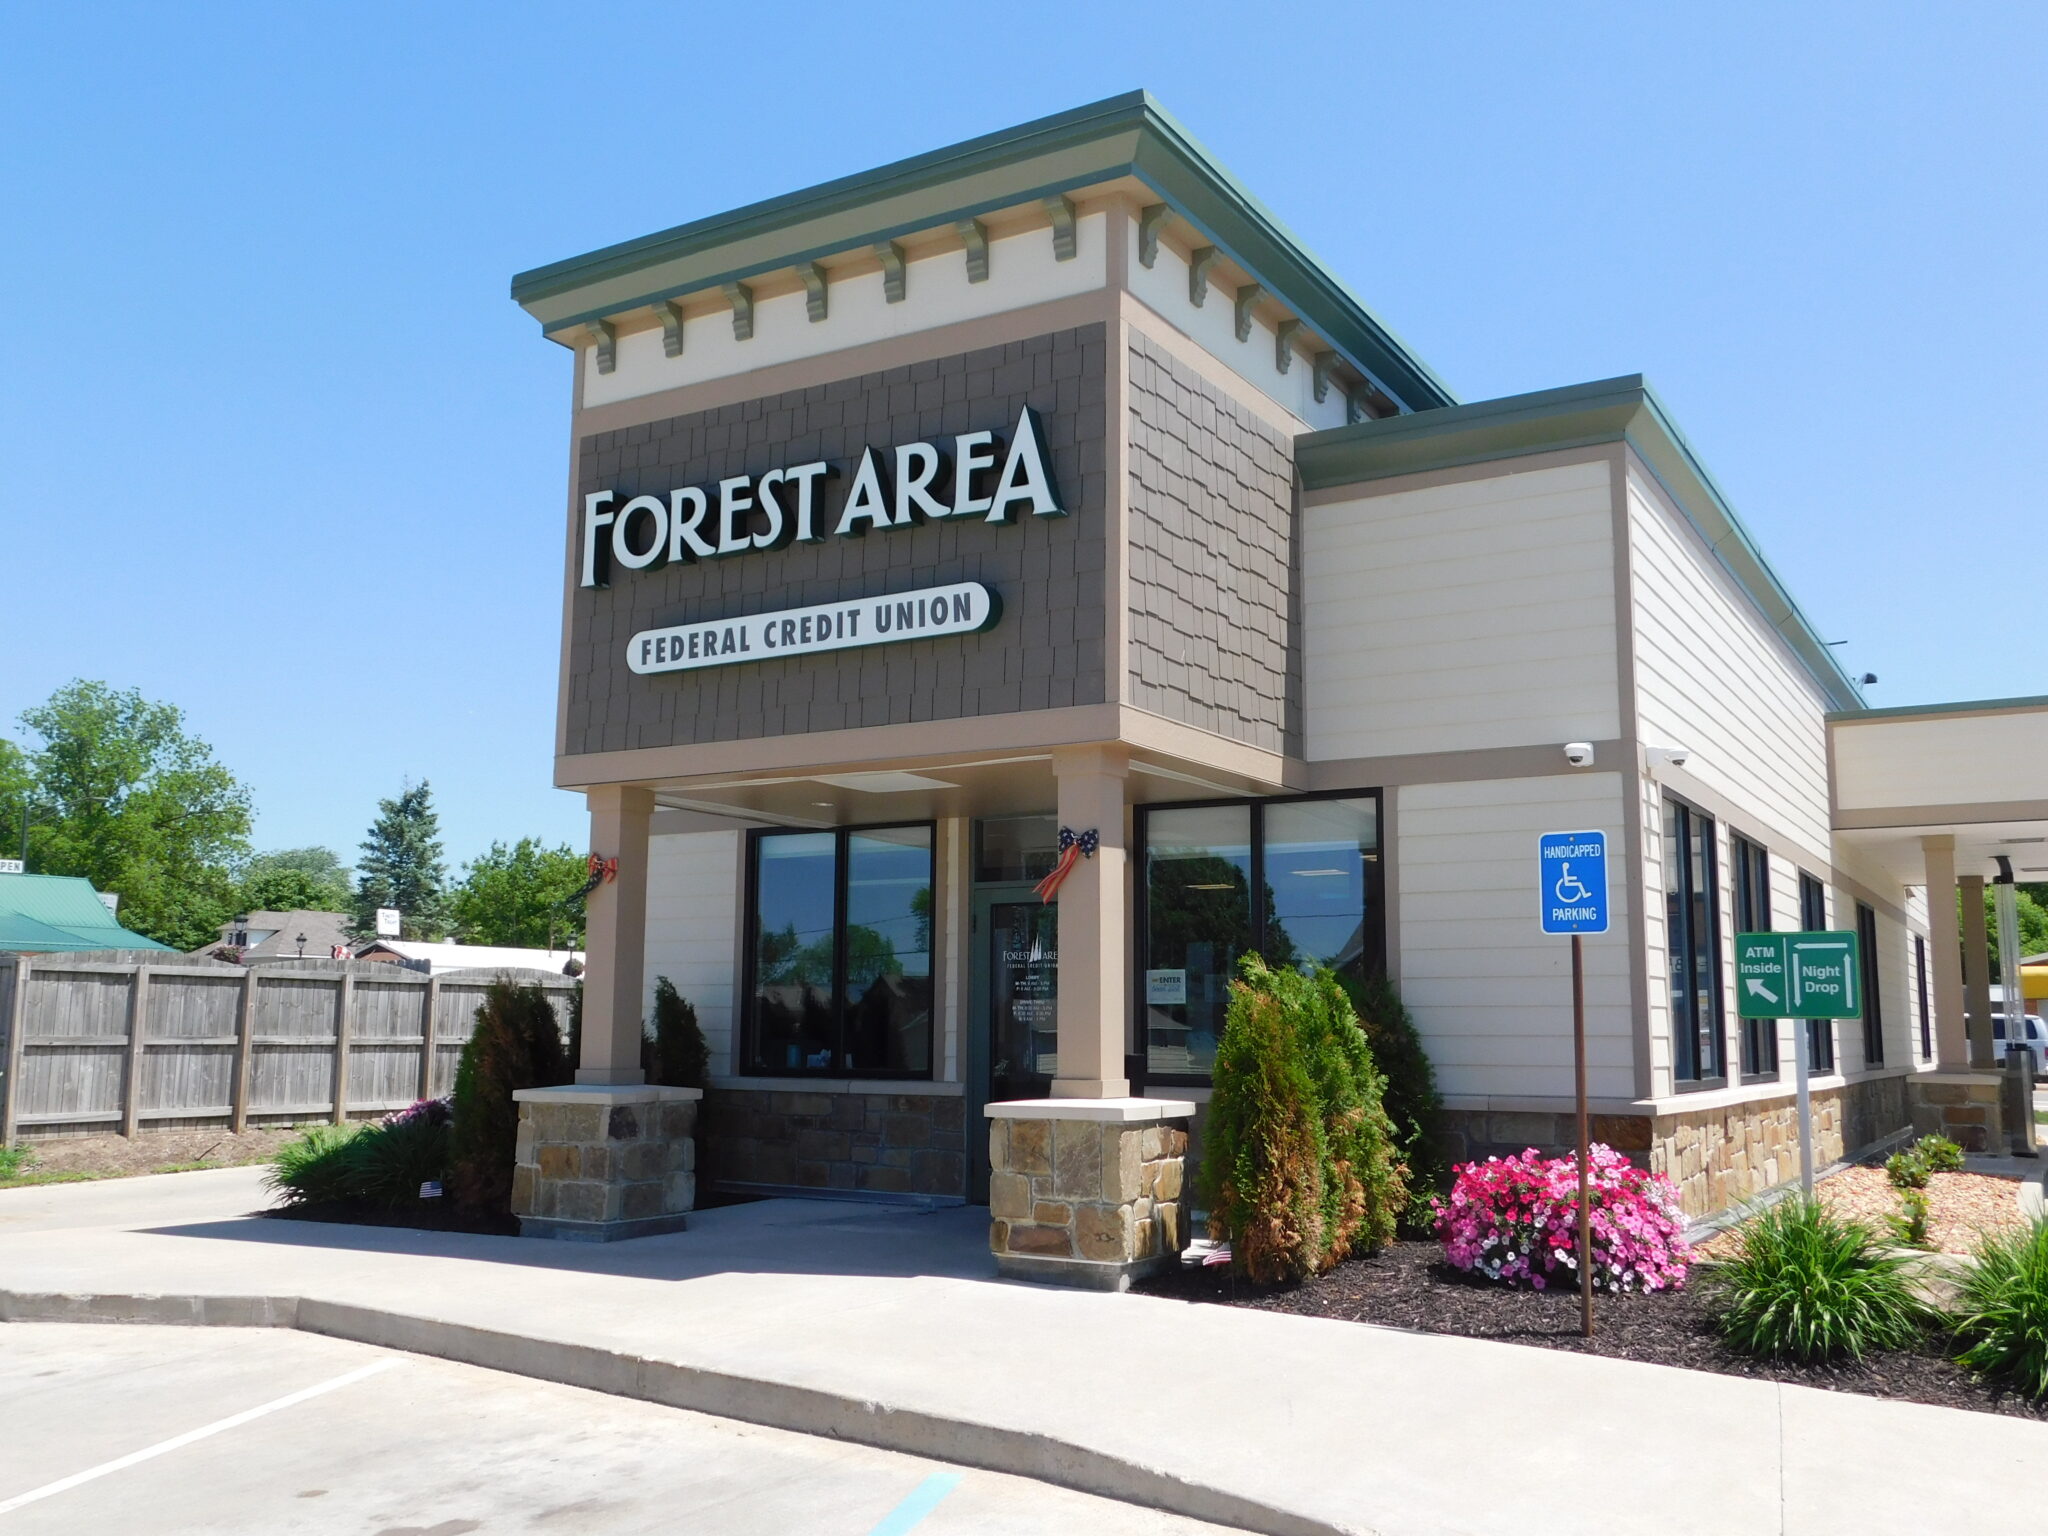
{"points": [[1129, 136]]}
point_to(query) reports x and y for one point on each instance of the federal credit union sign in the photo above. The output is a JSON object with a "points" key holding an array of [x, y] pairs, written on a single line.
{"points": [[959, 609]]}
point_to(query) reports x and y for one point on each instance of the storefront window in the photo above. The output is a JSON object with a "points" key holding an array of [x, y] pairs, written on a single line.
{"points": [[1198, 921], [1693, 936], [840, 944], [1296, 880]]}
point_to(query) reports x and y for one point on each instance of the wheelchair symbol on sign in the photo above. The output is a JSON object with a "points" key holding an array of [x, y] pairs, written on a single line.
{"points": [[1570, 889]]}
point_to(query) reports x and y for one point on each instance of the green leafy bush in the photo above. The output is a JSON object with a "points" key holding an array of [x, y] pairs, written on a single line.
{"points": [[2002, 1309], [1409, 1092], [1939, 1154], [674, 1054], [1299, 1167], [1910, 1225], [1907, 1169], [15, 1161], [1807, 1286], [517, 1044]]}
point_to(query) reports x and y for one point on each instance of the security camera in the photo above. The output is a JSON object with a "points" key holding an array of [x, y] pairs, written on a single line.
{"points": [[1674, 757], [1579, 753]]}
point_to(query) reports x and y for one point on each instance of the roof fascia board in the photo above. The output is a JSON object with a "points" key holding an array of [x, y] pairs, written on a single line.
{"points": [[1952, 707], [1609, 410], [1123, 136]]}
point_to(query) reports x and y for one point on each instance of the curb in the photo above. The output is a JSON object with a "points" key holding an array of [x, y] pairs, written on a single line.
{"points": [[752, 1400]]}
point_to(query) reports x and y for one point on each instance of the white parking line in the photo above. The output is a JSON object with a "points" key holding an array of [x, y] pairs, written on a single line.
{"points": [[217, 1426]]}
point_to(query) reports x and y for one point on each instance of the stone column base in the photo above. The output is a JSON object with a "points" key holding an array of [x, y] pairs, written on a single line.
{"points": [[1966, 1107], [598, 1162], [1087, 1192]]}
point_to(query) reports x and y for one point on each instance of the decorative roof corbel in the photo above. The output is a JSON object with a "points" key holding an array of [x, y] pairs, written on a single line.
{"points": [[894, 284], [670, 314], [1150, 221], [741, 298], [974, 235], [1247, 296], [1065, 242], [1325, 362], [605, 337], [816, 284], [1199, 263], [1283, 344], [1356, 408]]}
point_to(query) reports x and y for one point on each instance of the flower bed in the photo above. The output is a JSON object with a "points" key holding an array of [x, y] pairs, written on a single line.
{"points": [[1515, 1220]]}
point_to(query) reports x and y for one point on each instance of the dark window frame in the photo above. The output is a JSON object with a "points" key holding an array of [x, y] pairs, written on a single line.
{"points": [[1753, 914], [1873, 991], [1813, 918], [751, 925], [1141, 917], [1920, 986], [1686, 1068]]}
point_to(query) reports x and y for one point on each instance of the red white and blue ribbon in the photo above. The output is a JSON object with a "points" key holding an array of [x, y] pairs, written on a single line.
{"points": [[601, 871], [1074, 846]]}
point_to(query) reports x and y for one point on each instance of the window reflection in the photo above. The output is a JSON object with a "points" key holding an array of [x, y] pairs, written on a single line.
{"points": [[1198, 911], [842, 994], [1316, 857]]}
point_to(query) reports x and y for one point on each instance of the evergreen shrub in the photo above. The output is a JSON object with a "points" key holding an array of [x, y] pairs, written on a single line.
{"points": [[1409, 1093], [1299, 1167], [674, 1053], [517, 1044]]}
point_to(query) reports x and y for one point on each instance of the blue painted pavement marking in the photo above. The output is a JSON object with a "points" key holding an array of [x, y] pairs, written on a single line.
{"points": [[924, 1498]]}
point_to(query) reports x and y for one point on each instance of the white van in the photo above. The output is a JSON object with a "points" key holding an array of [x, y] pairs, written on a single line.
{"points": [[2036, 1038]]}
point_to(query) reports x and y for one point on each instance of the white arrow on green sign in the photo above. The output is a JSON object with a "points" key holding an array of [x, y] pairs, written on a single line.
{"points": [[1798, 975]]}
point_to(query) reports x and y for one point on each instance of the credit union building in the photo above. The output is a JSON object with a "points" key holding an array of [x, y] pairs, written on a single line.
{"points": [[1043, 490]]}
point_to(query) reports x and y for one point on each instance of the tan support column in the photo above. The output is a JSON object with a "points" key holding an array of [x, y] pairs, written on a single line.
{"points": [[1095, 990], [1951, 1038], [615, 937], [1976, 970]]}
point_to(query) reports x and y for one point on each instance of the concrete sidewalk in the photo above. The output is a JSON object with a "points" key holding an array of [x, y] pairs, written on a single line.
{"points": [[886, 1327]]}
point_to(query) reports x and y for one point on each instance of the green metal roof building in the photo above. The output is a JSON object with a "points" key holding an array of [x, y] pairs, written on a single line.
{"points": [[49, 914]]}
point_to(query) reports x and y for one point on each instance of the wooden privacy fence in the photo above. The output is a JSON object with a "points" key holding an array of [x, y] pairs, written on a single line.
{"points": [[129, 1041]]}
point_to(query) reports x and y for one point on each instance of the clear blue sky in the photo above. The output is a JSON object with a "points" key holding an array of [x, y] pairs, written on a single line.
{"points": [[275, 446]]}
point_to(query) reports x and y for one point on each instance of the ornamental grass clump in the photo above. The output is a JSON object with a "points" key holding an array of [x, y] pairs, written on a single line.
{"points": [[1806, 1285], [1516, 1220], [384, 1163], [1299, 1168], [2002, 1308]]}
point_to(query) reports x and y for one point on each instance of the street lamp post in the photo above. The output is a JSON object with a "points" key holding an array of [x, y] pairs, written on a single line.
{"points": [[302, 946]]}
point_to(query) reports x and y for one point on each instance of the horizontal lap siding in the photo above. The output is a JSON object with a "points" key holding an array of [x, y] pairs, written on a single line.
{"points": [[694, 893], [1713, 677], [1490, 993], [1478, 614]]}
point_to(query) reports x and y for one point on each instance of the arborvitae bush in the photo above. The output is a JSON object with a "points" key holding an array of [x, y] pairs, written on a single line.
{"points": [[517, 1044], [674, 1054], [1300, 1167], [1410, 1094]]}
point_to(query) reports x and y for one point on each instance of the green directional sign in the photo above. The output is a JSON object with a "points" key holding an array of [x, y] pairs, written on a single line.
{"points": [[1798, 975]]}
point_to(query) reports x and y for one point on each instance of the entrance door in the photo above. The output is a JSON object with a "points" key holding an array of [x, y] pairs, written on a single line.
{"points": [[1013, 1019]]}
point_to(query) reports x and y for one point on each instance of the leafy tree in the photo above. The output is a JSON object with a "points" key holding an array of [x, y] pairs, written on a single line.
{"points": [[522, 896], [2031, 906], [402, 867], [122, 795], [15, 783], [294, 880]]}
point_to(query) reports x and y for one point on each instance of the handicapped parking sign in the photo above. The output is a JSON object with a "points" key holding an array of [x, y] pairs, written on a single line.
{"points": [[1572, 876]]}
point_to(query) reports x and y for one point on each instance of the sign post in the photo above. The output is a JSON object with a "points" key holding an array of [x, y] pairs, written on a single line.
{"points": [[1799, 976], [1572, 891]]}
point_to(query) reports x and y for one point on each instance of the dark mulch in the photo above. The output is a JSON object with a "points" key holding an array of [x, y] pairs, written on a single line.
{"points": [[1409, 1286]]}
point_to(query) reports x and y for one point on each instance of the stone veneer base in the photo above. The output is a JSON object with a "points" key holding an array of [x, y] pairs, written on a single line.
{"points": [[604, 1162], [1087, 1192]]}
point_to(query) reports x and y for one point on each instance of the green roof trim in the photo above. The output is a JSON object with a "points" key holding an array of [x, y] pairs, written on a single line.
{"points": [[1952, 707], [1620, 410], [1129, 135]]}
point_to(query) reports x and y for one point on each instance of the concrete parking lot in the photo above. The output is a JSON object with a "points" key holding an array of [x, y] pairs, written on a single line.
{"points": [[269, 1431]]}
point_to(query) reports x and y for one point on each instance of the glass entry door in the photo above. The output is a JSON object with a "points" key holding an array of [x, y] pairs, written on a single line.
{"points": [[1013, 1027]]}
